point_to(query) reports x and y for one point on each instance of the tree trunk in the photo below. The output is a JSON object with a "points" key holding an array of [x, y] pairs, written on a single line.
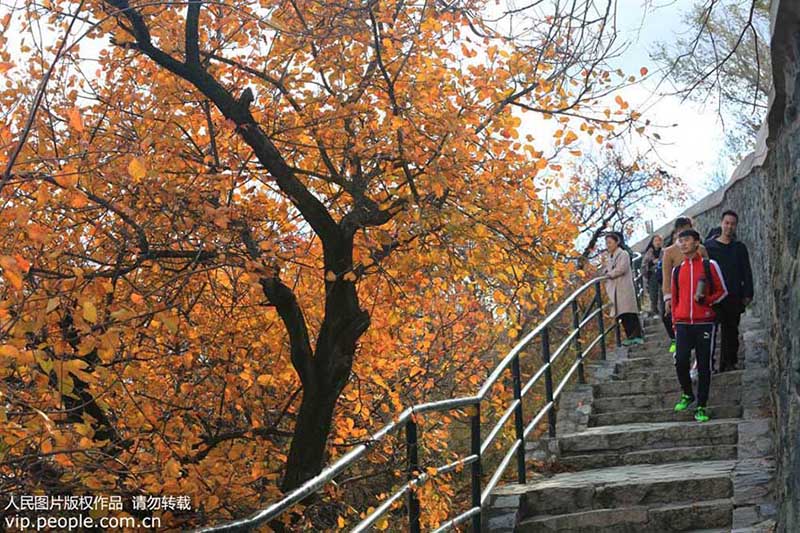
{"points": [[307, 454], [343, 325]]}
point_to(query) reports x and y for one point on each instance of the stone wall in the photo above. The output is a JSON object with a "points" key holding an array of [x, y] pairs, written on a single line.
{"points": [[765, 192], [782, 217]]}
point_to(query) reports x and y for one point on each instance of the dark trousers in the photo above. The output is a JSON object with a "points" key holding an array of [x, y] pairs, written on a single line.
{"points": [[700, 338], [666, 318], [654, 291], [729, 313], [630, 321]]}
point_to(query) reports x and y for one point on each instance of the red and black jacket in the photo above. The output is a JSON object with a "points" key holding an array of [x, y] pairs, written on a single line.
{"points": [[685, 310]]}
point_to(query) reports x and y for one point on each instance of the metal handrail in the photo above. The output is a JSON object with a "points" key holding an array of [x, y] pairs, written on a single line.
{"points": [[478, 447]]}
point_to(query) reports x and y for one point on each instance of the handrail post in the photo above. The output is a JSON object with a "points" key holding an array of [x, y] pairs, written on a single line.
{"points": [[548, 381], [576, 324], [476, 466], [599, 299], [618, 332], [412, 454], [518, 420]]}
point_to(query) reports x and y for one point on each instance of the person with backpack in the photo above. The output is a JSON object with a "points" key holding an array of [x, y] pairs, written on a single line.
{"points": [[713, 233], [734, 260], [697, 286], [670, 257], [652, 256], [621, 290]]}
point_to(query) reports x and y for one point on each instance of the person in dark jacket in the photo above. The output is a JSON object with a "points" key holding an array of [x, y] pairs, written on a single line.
{"points": [[652, 254], [714, 233], [734, 260], [697, 287]]}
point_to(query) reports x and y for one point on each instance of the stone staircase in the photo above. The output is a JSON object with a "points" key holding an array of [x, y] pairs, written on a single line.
{"points": [[629, 463]]}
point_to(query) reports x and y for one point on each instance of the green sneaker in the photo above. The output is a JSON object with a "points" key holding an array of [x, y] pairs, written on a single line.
{"points": [[637, 340], [684, 402], [627, 342], [672, 347], [700, 414]]}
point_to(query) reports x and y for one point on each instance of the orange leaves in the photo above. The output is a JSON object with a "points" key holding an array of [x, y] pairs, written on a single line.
{"points": [[221, 220], [22, 264], [89, 312], [211, 503], [265, 380], [468, 52], [173, 468], [75, 120], [570, 138], [78, 200], [622, 103], [75, 367], [137, 169], [5, 67], [170, 321], [9, 350], [67, 178], [13, 270]]}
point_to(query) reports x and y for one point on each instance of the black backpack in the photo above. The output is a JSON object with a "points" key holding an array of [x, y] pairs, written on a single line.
{"points": [[706, 269], [658, 269]]}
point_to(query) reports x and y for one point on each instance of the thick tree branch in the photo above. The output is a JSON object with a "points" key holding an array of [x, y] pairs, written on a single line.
{"points": [[267, 154], [192, 33], [289, 310]]}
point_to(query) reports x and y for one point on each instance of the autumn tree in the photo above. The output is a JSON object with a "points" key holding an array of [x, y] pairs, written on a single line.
{"points": [[238, 235]]}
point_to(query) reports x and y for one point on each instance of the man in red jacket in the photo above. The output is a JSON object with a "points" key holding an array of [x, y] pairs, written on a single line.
{"points": [[697, 284]]}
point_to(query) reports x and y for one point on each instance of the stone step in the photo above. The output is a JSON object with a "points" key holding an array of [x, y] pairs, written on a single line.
{"points": [[652, 342], [623, 486], [640, 402], [661, 415], [658, 384], [655, 356], [718, 452], [661, 373], [638, 364], [671, 517], [632, 437]]}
